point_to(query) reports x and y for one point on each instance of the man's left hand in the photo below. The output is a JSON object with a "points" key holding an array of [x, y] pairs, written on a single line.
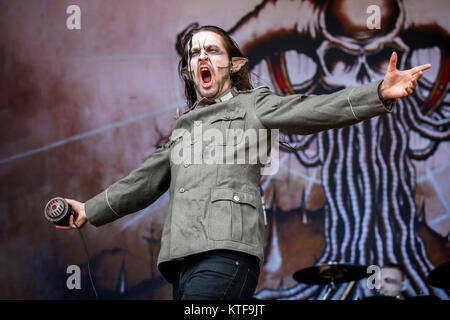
{"points": [[398, 84]]}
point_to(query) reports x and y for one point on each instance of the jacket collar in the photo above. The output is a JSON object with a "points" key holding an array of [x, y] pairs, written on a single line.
{"points": [[227, 95]]}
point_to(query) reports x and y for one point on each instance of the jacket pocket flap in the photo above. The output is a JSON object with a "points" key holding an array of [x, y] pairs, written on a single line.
{"points": [[237, 114], [233, 195]]}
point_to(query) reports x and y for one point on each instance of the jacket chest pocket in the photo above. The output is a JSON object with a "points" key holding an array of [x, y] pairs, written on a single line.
{"points": [[233, 215], [228, 128], [179, 147]]}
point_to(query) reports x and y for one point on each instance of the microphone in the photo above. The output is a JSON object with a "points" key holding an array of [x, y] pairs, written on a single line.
{"points": [[58, 211]]}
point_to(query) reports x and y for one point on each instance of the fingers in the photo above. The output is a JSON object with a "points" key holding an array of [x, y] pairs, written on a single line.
{"points": [[417, 75], [73, 203], [420, 68], [408, 90], [412, 84], [63, 228], [71, 223], [393, 62], [69, 227]]}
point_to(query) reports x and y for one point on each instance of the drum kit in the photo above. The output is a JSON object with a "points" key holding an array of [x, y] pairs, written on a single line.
{"points": [[334, 273]]}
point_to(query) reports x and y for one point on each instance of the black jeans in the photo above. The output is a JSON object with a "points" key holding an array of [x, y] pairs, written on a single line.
{"points": [[217, 275]]}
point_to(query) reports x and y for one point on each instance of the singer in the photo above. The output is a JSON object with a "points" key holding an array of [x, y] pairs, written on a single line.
{"points": [[212, 241]]}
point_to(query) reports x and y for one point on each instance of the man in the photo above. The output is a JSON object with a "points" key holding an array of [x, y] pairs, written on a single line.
{"points": [[392, 281], [212, 241]]}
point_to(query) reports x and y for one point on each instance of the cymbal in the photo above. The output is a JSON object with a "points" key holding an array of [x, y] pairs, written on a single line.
{"points": [[332, 272], [440, 276]]}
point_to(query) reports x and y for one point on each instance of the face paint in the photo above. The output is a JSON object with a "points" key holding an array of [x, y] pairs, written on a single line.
{"points": [[209, 65]]}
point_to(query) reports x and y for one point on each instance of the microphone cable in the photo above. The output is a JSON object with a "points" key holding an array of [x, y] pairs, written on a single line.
{"points": [[88, 265]]}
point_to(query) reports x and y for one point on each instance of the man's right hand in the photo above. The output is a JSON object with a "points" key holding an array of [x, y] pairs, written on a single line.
{"points": [[78, 207]]}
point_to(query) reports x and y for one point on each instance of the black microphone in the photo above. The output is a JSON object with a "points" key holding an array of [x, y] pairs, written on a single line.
{"points": [[59, 211]]}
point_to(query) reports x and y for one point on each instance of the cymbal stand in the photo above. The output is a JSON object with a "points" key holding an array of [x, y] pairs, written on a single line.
{"points": [[330, 287]]}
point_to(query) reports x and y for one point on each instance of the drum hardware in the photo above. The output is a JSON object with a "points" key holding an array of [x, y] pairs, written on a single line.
{"points": [[331, 274], [347, 290]]}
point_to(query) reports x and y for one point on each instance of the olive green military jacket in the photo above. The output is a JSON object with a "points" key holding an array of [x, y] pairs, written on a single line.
{"points": [[218, 205]]}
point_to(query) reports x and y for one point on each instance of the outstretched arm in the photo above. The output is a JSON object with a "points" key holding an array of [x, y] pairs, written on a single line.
{"points": [[134, 192], [301, 114]]}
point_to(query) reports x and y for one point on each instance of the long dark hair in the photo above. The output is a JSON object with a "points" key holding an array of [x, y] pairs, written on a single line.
{"points": [[239, 79]]}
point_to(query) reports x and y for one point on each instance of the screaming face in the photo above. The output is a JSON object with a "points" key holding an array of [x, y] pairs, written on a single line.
{"points": [[209, 65]]}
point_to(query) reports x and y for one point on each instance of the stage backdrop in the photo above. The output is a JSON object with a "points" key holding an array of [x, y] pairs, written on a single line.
{"points": [[81, 108]]}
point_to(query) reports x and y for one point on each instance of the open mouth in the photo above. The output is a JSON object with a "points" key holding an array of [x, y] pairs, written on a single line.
{"points": [[206, 77]]}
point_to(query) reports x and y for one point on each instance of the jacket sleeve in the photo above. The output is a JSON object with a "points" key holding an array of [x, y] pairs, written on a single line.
{"points": [[134, 192], [302, 114]]}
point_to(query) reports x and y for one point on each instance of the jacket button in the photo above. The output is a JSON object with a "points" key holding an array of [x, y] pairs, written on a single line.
{"points": [[182, 190], [236, 198]]}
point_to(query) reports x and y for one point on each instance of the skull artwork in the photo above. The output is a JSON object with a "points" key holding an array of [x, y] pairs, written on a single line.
{"points": [[368, 171]]}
